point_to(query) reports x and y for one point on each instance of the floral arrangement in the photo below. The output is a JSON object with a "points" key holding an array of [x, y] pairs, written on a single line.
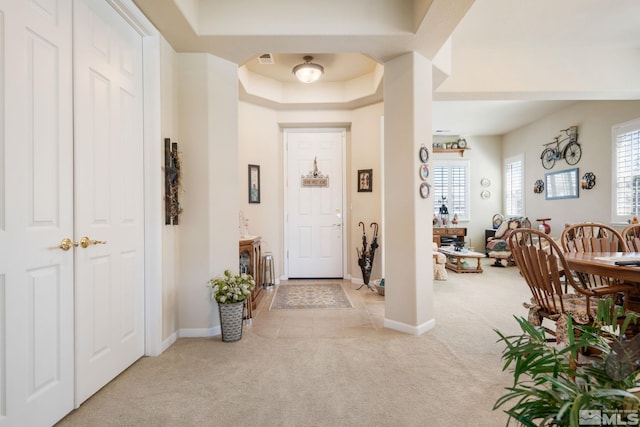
{"points": [[229, 288]]}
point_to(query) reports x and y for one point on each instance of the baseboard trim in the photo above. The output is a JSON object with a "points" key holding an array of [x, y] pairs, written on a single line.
{"points": [[200, 332], [410, 329], [168, 342]]}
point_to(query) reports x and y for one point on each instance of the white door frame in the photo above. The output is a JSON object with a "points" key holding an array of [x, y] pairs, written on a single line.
{"points": [[285, 228], [153, 176]]}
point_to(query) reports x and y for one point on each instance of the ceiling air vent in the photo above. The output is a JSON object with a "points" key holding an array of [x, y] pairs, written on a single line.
{"points": [[266, 59]]}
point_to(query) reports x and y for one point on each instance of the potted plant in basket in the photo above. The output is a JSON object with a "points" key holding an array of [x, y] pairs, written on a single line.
{"points": [[231, 291]]}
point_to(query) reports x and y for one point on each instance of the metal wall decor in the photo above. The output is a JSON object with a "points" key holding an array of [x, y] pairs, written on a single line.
{"points": [[554, 150], [425, 190], [538, 186], [172, 182], [424, 154], [588, 181], [423, 172]]}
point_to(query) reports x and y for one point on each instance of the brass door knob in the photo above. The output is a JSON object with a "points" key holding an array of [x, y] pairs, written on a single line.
{"points": [[66, 244], [86, 242]]}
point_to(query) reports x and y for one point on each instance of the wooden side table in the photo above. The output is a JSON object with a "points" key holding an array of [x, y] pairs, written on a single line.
{"points": [[251, 263]]}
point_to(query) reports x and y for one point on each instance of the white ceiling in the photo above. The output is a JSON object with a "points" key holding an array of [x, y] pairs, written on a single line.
{"points": [[481, 28]]}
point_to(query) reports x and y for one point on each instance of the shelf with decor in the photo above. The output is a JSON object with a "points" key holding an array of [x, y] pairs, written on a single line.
{"points": [[451, 150]]}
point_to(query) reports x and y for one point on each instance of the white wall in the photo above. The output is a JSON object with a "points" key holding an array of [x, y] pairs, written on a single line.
{"points": [[170, 234], [594, 120]]}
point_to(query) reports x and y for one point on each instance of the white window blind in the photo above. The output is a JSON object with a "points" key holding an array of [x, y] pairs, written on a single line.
{"points": [[626, 171], [513, 186], [451, 179]]}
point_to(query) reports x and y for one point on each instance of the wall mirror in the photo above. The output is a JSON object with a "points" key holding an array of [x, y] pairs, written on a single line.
{"points": [[562, 184]]}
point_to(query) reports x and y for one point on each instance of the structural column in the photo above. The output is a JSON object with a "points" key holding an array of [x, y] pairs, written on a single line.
{"points": [[208, 137], [408, 227]]}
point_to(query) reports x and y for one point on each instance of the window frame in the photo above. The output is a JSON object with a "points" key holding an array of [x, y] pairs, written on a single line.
{"points": [[630, 127], [507, 193], [437, 200]]}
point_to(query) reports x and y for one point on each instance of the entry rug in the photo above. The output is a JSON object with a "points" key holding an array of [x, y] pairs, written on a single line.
{"points": [[310, 296]]}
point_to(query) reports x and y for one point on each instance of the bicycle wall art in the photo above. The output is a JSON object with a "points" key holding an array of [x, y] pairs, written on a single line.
{"points": [[555, 150]]}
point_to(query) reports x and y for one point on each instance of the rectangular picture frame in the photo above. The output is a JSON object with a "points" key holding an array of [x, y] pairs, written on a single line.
{"points": [[365, 180], [254, 184]]}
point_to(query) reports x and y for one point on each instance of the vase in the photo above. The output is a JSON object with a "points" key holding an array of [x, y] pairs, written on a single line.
{"points": [[231, 321]]}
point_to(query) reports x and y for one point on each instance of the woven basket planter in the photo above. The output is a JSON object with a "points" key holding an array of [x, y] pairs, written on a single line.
{"points": [[231, 321]]}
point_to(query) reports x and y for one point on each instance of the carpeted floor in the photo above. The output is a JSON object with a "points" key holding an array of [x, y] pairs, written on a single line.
{"points": [[319, 295], [309, 368]]}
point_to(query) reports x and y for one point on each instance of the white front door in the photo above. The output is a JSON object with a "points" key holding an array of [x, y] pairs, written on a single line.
{"points": [[314, 213], [109, 201], [36, 213]]}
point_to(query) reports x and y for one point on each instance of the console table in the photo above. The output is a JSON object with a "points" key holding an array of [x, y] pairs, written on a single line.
{"points": [[448, 234], [251, 263]]}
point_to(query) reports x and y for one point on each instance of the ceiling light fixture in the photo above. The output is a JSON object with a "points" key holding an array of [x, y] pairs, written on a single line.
{"points": [[308, 72]]}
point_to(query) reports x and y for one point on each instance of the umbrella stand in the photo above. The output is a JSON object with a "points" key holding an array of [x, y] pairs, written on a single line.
{"points": [[366, 256]]}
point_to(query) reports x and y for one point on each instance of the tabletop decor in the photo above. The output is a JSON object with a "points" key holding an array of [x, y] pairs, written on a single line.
{"points": [[230, 292]]}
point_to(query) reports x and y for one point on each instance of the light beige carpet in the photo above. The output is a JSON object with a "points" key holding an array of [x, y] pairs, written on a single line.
{"points": [[449, 376], [295, 297]]}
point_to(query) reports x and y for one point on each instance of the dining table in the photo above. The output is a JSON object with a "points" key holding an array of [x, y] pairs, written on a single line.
{"points": [[604, 264]]}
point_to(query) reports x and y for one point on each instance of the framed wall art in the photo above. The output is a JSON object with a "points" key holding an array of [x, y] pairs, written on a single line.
{"points": [[365, 183], [254, 184]]}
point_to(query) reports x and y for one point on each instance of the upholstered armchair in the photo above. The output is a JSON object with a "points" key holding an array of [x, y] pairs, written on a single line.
{"points": [[497, 247], [439, 260]]}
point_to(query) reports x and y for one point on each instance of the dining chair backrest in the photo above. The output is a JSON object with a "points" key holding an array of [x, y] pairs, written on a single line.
{"points": [[631, 238], [541, 264], [591, 237]]}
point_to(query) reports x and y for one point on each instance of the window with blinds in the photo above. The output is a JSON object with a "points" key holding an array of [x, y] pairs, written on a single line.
{"points": [[451, 180], [513, 186], [626, 172]]}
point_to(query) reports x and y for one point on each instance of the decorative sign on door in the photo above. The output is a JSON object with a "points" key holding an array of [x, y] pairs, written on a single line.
{"points": [[314, 178]]}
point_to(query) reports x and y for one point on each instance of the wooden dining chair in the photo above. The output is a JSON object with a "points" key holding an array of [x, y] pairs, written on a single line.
{"points": [[631, 238], [631, 241], [591, 237], [542, 265], [594, 237]]}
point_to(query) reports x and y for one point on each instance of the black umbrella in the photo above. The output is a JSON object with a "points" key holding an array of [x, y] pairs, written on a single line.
{"points": [[365, 256], [374, 241]]}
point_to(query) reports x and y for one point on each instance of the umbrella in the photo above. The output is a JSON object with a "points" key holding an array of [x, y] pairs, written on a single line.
{"points": [[365, 256]]}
